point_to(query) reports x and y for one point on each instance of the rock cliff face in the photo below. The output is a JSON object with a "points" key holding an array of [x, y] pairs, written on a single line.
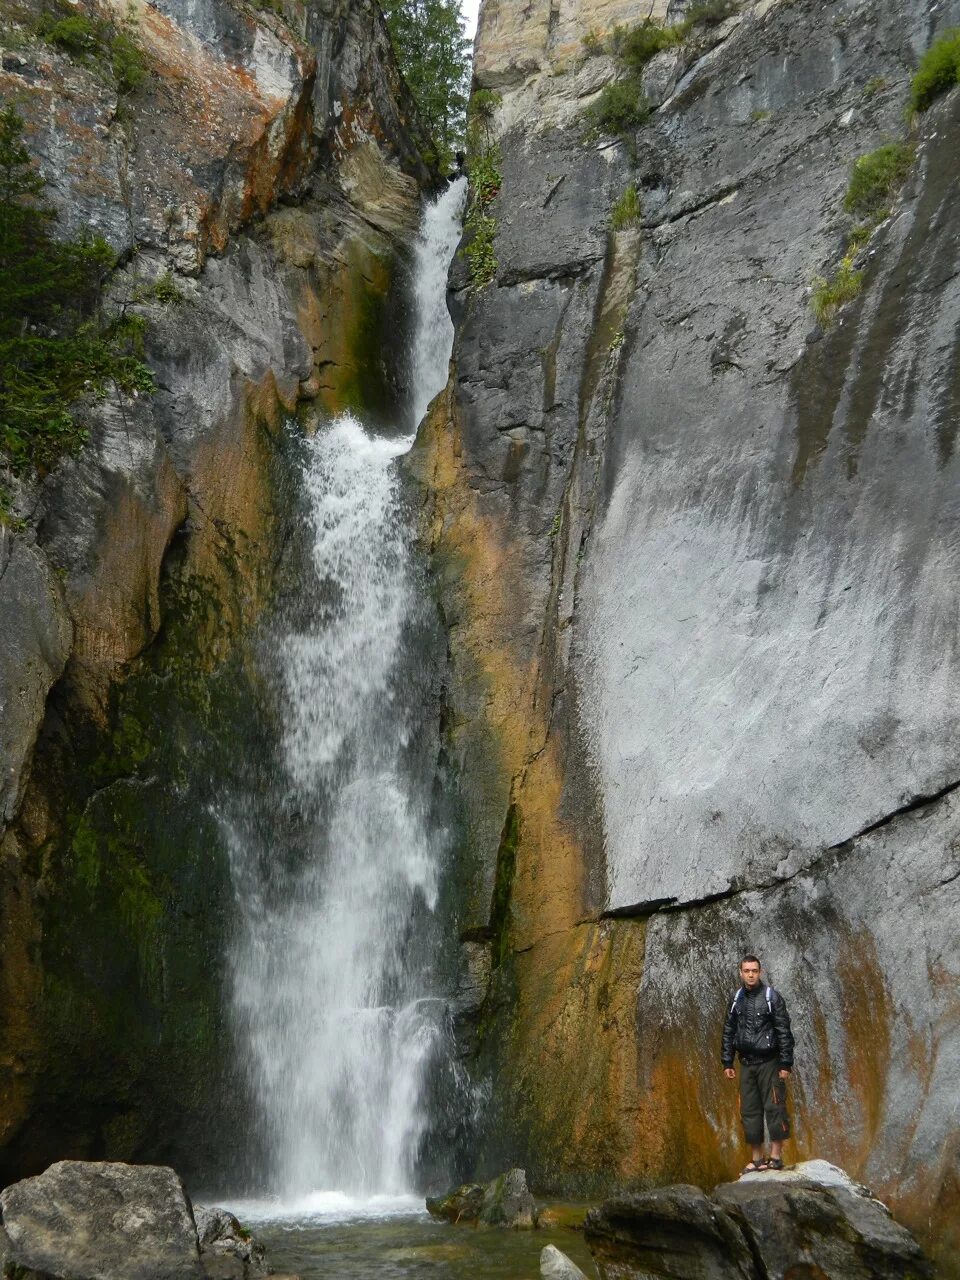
{"points": [[699, 566], [267, 171]]}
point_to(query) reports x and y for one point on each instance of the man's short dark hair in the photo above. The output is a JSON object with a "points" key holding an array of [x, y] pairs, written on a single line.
{"points": [[749, 960]]}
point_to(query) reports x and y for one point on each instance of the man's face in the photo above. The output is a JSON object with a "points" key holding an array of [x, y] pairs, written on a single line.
{"points": [[750, 973]]}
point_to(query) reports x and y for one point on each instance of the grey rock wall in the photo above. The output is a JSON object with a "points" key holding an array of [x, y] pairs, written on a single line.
{"points": [[726, 609]]}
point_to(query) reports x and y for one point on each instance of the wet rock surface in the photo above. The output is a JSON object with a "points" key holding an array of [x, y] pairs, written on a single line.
{"points": [[755, 1229]]}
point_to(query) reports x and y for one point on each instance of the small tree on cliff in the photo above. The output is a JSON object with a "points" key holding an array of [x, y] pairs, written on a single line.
{"points": [[56, 343], [434, 56]]}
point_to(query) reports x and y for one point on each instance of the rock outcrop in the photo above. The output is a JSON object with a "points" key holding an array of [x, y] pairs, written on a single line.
{"points": [[699, 567], [261, 186], [756, 1229]]}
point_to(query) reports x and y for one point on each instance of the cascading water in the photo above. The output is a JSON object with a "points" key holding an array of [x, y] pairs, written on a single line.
{"points": [[334, 1001]]}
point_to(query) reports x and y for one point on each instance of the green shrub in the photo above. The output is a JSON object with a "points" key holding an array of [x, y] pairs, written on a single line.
{"points": [[938, 72], [127, 63], [830, 295], [874, 86], [97, 42], [636, 46], [710, 13], [876, 179], [626, 212], [75, 34], [592, 42], [483, 103], [620, 108], [483, 168], [480, 248], [58, 345]]}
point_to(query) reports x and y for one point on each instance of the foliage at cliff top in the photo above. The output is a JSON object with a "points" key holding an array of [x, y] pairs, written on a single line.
{"points": [[58, 344], [938, 72], [434, 56]]}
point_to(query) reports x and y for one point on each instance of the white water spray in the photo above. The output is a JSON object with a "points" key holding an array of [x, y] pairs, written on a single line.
{"points": [[332, 987]]}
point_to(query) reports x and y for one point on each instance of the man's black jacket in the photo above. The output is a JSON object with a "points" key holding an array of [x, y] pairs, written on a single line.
{"points": [[757, 1031]]}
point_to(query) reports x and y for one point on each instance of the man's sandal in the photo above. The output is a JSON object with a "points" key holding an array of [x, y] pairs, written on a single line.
{"points": [[757, 1166], [774, 1162]]}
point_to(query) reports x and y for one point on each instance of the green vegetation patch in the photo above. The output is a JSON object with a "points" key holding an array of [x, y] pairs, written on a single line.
{"points": [[484, 159], [99, 43], [59, 345], [876, 179], [621, 107], [829, 295], [938, 72], [627, 210]]}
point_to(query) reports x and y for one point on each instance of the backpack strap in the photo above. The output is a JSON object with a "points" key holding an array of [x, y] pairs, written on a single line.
{"points": [[736, 999], [770, 993]]}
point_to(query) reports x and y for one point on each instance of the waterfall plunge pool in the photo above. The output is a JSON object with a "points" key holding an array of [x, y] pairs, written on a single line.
{"points": [[330, 1235]]}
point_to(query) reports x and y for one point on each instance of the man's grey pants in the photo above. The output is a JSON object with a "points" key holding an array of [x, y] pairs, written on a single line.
{"points": [[763, 1093]]}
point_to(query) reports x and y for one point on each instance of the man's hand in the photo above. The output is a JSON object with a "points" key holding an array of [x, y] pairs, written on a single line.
{"points": [[784, 1073], [729, 1073]]}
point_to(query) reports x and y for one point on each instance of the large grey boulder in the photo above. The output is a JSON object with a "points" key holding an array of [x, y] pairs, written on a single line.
{"points": [[674, 1232], [84, 1219], [831, 1227], [555, 1265], [811, 1222]]}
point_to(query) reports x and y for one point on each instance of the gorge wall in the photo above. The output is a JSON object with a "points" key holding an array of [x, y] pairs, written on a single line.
{"points": [[262, 188], [698, 562]]}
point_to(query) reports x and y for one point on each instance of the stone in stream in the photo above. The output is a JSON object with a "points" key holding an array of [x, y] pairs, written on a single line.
{"points": [[504, 1202], [462, 1205], [227, 1249], [110, 1221], [507, 1202], [555, 1265], [812, 1221]]}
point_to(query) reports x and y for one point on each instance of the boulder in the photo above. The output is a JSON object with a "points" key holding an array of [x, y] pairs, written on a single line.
{"points": [[227, 1248], [504, 1202], [829, 1226], [555, 1265], [507, 1202], [673, 1232], [812, 1221], [462, 1205], [110, 1221]]}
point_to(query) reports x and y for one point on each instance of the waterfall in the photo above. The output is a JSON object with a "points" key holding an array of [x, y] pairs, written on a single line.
{"points": [[334, 995]]}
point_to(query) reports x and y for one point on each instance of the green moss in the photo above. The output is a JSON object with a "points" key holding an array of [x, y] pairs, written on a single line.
{"points": [[938, 72], [627, 210], [503, 885], [874, 86], [876, 178]]}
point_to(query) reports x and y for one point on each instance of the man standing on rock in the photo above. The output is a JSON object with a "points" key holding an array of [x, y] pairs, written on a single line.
{"points": [[757, 1029]]}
